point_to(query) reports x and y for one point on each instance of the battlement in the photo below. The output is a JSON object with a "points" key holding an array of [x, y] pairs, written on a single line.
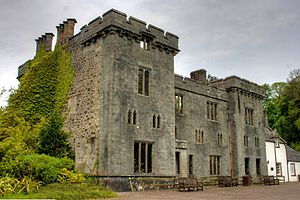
{"points": [[232, 82], [199, 87], [44, 42], [133, 28]]}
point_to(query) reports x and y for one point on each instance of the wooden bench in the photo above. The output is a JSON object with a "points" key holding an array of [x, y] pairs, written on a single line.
{"points": [[209, 180], [225, 181], [257, 180], [149, 183], [270, 180], [189, 184]]}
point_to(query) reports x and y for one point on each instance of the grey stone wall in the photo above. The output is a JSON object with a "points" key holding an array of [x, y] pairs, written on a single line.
{"points": [[107, 56], [195, 95], [244, 94]]}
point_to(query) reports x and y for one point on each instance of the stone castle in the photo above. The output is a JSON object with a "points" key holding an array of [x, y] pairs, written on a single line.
{"points": [[131, 116]]}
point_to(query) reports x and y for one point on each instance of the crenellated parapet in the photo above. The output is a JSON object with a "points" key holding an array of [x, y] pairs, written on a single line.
{"points": [[116, 22], [200, 88], [242, 86]]}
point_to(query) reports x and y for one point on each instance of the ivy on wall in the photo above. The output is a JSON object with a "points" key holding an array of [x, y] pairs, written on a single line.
{"points": [[32, 121]]}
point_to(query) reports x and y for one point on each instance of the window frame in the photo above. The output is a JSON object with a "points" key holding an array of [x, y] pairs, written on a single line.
{"points": [[212, 111], [293, 169], [143, 83], [179, 103], [214, 165], [143, 164]]}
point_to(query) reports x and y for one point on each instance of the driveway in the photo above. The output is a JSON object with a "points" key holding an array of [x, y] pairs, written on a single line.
{"points": [[286, 191]]}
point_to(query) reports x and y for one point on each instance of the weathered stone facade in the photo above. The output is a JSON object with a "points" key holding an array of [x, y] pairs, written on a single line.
{"points": [[131, 116]]}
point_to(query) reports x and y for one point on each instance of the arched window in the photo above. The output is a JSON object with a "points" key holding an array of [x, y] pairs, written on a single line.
{"points": [[158, 121], [154, 121], [129, 117], [134, 117]]}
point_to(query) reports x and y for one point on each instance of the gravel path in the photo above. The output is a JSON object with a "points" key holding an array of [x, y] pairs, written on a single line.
{"points": [[286, 191]]}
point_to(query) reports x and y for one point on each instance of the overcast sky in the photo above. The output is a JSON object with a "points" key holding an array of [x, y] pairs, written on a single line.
{"points": [[258, 40]]}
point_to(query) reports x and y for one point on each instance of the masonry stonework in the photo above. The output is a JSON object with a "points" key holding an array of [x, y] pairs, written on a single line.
{"points": [[129, 115]]}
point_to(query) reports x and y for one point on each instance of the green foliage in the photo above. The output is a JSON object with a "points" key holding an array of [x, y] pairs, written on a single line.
{"points": [[35, 108], [53, 140], [43, 167], [283, 107], [67, 176], [44, 87], [65, 191], [11, 185]]}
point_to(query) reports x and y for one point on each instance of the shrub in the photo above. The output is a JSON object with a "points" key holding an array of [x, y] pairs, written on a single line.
{"points": [[67, 176], [9, 185], [45, 168], [40, 167]]}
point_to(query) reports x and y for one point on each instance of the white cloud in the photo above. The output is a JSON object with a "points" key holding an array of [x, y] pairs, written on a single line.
{"points": [[253, 39]]}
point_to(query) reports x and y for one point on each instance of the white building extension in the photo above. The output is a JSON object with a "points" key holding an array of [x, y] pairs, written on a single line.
{"points": [[293, 158], [276, 155]]}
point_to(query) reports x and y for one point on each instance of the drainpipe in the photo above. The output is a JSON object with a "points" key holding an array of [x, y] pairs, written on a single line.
{"points": [[287, 164], [230, 143], [275, 159]]}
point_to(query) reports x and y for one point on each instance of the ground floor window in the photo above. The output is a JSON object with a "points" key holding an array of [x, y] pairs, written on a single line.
{"points": [[190, 164], [214, 165], [247, 166], [293, 169], [142, 157], [278, 169], [258, 166], [177, 162]]}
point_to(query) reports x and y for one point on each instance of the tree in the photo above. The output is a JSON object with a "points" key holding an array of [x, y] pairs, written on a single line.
{"points": [[53, 141], [283, 108], [35, 108]]}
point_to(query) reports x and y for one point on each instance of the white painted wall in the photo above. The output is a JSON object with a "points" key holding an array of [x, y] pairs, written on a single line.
{"points": [[270, 157], [297, 166], [281, 158], [278, 155]]}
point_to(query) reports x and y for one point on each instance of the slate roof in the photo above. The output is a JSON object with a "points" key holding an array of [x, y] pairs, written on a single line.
{"points": [[292, 155], [272, 135]]}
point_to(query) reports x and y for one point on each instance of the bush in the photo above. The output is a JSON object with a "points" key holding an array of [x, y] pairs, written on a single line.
{"points": [[66, 192], [67, 176], [10, 185], [45, 168], [40, 167]]}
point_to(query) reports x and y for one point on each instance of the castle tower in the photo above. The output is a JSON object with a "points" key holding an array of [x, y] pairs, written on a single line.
{"points": [[122, 100], [247, 123]]}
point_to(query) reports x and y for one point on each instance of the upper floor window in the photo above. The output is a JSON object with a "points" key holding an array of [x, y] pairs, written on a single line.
{"points": [[143, 82], [199, 136], [156, 121], [246, 141], [219, 139], [256, 141], [145, 43], [132, 117], [249, 116], [178, 103], [212, 111]]}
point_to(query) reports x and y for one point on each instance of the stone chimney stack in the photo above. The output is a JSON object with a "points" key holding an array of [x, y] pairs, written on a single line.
{"points": [[65, 31], [44, 42], [48, 41], [199, 75]]}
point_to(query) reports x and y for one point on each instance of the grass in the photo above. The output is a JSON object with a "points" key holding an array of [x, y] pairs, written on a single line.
{"points": [[63, 191]]}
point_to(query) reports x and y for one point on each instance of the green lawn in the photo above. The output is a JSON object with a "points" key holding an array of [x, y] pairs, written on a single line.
{"points": [[65, 192]]}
